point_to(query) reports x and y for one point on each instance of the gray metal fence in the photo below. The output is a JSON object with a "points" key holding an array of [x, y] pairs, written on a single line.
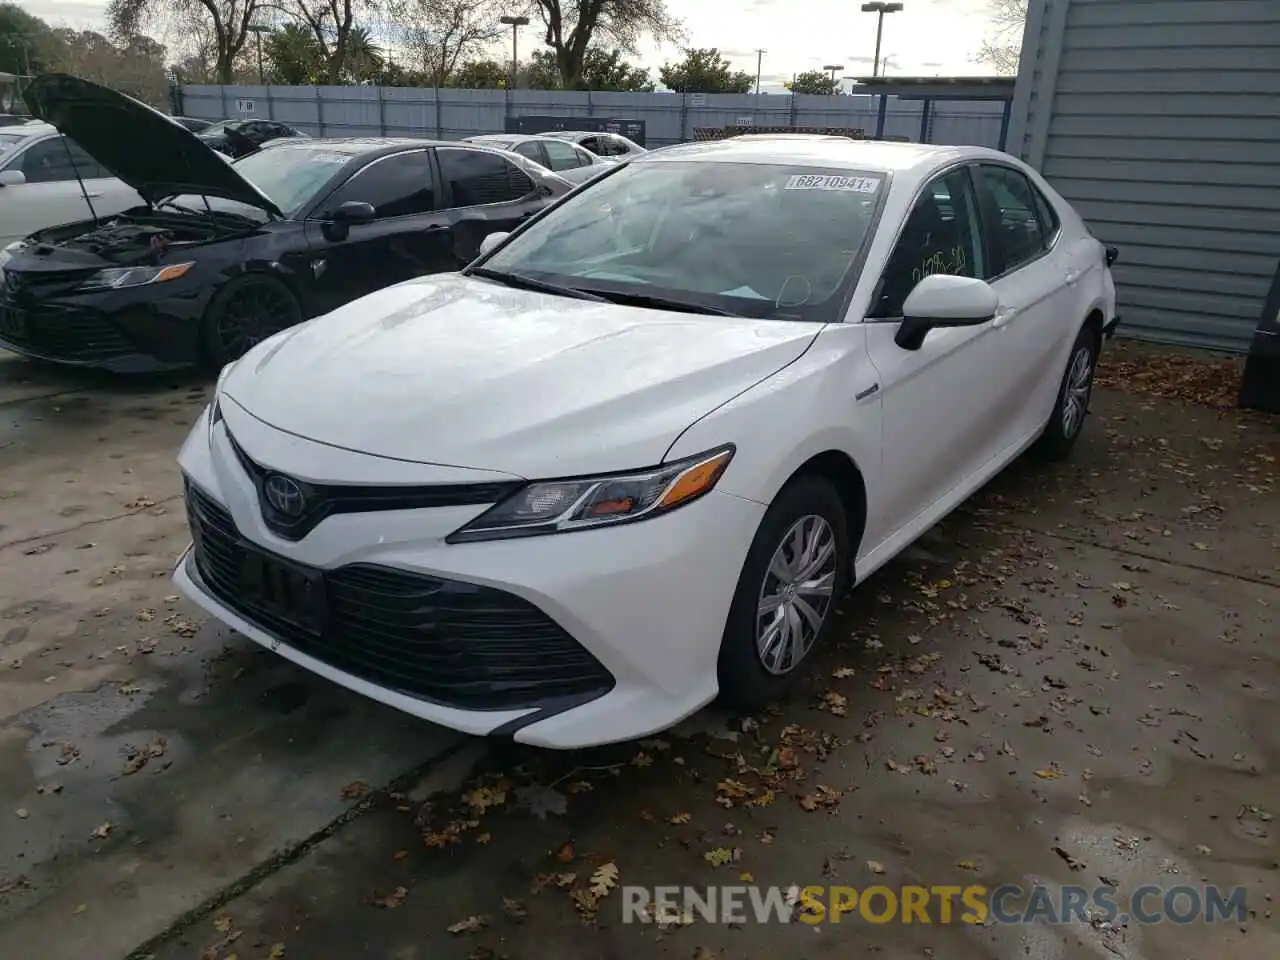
{"points": [[450, 114]]}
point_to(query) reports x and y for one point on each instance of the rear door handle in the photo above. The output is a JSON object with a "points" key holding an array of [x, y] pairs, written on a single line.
{"points": [[1073, 276], [93, 196]]}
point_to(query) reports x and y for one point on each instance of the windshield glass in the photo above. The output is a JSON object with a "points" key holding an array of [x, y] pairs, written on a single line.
{"points": [[289, 175], [761, 240]]}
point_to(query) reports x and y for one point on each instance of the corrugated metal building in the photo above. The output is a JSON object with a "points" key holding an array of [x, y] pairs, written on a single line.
{"points": [[1160, 121]]}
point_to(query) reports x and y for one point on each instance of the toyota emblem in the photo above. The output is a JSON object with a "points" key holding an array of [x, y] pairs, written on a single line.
{"points": [[284, 496]]}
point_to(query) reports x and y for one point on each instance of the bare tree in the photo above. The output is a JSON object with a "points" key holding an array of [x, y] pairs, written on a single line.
{"points": [[572, 26], [1002, 47], [227, 23], [334, 24], [443, 33]]}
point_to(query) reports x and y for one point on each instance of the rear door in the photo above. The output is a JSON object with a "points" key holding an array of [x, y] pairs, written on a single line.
{"points": [[1031, 275], [408, 237], [485, 193], [51, 195]]}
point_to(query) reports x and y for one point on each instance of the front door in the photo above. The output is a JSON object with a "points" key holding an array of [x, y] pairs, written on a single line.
{"points": [[409, 237], [940, 415]]}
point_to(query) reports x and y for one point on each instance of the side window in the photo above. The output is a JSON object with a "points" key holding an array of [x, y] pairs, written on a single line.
{"points": [[593, 144], [478, 178], [942, 235], [532, 150], [397, 186], [48, 162], [1020, 235], [1048, 216], [563, 156]]}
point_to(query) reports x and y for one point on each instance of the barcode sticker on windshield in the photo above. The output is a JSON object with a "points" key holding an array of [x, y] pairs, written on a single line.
{"points": [[843, 184]]}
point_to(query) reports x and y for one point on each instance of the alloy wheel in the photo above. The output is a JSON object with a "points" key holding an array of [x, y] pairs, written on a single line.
{"points": [[1079, 385], [255, 310], [796, 595]]}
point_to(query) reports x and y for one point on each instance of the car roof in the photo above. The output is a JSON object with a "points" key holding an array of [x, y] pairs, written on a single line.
{"points": [[821, 151]]}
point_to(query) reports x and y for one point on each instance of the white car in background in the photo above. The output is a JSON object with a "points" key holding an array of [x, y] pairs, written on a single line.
{"points": [[567, 160], [610, 146], [632, 456], [38, 185]]}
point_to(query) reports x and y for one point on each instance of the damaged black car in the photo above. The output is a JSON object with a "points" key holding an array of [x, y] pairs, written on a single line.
{"points": [[225, 254]]}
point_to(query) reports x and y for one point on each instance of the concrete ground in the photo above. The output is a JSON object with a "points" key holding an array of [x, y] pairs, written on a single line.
{"points": [[1071, 681]]}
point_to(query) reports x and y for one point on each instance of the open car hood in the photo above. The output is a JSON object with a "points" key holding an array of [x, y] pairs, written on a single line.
{"points": [[156, 156]]}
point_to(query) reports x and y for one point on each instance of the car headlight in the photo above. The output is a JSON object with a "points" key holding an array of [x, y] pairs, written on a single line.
{"points": [[559, 506], [114, 278]]}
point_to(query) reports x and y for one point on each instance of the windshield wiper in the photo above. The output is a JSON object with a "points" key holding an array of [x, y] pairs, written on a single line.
{"points": [[523, 282], [661, 303]]}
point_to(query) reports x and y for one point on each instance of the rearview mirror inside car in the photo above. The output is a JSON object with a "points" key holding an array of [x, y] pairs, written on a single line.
{"points": [[942, 300]]}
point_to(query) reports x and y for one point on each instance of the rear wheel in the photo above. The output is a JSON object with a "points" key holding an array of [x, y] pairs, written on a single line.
{"points": [[244, 313], [1067, 420], [785, 601]]}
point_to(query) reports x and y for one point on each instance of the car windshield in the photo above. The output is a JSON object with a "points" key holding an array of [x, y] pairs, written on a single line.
{"points": [[290, 175], [773, 241]]}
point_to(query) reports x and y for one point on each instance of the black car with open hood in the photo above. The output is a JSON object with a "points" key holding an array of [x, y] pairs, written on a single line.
{"points": [[224, 254]]}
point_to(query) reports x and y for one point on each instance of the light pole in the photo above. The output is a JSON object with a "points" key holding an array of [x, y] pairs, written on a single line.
{"points": [[258, 30], [515, 23], [880, 8], [833, 69], [759, 65]]}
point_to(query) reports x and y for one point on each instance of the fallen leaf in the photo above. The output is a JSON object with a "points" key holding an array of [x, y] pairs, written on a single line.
{"points": [[101, 831], [967, 865], [485, 798], [721, 855], [22, 813], [391, 900], [472, 924], [604, 879], [276, 952], [679, 818], [843, 673], [354, 790], [875, 866], [514, 909], [1050, 773], [565, 853]]}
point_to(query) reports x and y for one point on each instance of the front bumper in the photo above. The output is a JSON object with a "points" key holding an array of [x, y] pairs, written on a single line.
{"points": [[621, 627], [123, 331], [1109, 329]]}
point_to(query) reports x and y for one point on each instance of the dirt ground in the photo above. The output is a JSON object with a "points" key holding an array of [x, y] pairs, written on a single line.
{"points": [[1071, 681]]}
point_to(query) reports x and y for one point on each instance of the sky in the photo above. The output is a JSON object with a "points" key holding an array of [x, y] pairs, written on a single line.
{"points": [[928, 38]]}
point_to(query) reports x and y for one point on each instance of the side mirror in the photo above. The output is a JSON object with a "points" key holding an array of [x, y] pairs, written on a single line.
{"points": [[355, 211], [491, 242], [942, 300], [12, 178], [338, 228]]}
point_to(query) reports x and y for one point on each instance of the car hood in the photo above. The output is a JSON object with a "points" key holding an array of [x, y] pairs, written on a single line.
{"points": [[156, 156], [462, 372]]}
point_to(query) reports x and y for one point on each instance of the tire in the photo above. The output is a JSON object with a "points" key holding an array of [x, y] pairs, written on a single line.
{"points": [[751, 673], [256, 305], [1066, 423]]}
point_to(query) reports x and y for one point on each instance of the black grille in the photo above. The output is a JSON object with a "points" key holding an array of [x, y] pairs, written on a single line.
{"points": [[325, 500], [458, 644], [61, 333]]}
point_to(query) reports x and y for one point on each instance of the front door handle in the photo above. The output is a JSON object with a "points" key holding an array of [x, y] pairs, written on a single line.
{"points": [[93, 196], [1073, 276], [1002, 317]]}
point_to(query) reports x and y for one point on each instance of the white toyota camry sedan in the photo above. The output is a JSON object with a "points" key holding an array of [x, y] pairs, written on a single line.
{"points": [[628, 460]]}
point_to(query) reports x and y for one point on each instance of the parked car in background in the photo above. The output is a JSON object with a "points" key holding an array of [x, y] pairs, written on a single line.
{"points": [[239, 138], [221, 255], [39, 186], [681, 412], [194, 124], [611, 146], [567, 159]]}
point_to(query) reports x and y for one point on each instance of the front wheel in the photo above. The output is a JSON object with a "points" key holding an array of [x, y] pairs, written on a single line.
{"points": [[785, 601], [243, 313], [1072, 406]]}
